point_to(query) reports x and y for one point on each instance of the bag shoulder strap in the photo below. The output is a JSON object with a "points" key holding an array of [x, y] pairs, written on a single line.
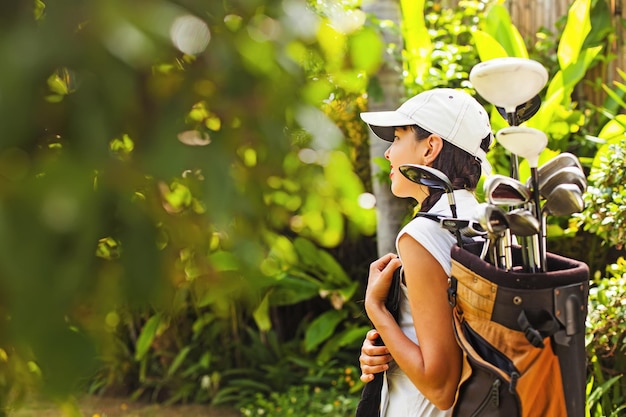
{"points": [[434, 217], [437, 218]]}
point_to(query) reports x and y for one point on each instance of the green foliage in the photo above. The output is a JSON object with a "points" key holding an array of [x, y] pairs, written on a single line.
{"points": [[18, 375], [498, 27], [606, 341], [309, 400], [216, 190], [605, 199], [439, 50], [303, 401], [595, 395], [207, 351], [558, 116], [186, 165], [604, 217]]}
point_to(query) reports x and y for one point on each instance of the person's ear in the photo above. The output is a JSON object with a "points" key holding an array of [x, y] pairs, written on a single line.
{"points": [[434, 145]]}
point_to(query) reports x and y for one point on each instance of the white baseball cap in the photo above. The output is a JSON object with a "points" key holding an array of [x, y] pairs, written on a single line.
{"points": [[452, 114]]}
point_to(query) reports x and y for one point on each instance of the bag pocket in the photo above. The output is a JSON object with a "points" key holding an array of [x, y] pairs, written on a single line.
{"points": [[489, 391]]}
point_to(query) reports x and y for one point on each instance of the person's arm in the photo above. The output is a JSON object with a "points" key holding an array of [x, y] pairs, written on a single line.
{"points": [[435, 365]]}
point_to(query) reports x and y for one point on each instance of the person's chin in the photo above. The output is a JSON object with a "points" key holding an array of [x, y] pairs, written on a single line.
{"points": [[397, 191]]}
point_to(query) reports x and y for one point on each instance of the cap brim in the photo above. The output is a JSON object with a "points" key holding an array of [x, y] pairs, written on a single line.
{"points": [[484, 163], [383, 123]]}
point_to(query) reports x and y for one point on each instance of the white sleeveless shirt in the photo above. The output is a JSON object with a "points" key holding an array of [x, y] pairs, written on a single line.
{"points": [[400, 398]]}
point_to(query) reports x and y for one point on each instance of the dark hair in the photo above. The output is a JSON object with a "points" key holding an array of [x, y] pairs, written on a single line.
{"points": [[462, 169]]}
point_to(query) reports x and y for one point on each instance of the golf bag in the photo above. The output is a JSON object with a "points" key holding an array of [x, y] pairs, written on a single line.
{"points": [[522, 336]]}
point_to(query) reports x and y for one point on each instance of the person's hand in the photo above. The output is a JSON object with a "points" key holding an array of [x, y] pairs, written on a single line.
{"points": [[379, 280], [374, 359]]}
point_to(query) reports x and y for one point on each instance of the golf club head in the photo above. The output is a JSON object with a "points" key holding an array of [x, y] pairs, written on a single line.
{"points": [[494, 220], [430, 177], [562, 160], [491, 218], [565, 200], [525, 142], [523, 223], [508, 82], [505, 191], [425, 175], [523, 112], [467, 227], [568, 175]]}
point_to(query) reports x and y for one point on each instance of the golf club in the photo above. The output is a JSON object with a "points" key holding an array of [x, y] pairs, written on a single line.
{"points": [[566, 175], [564, 200], [522, 113], [505, 191], [564, 168], [527, 143], [525, 226], [562, 160], [523, 223], [468, 228], [508, 83], [494, 220], [432, 178]]}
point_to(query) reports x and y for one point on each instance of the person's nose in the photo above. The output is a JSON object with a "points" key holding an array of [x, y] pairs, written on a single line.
{"points": [[387, 153]]}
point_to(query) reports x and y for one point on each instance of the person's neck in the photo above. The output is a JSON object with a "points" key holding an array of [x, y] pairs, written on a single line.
{"points": [[422, 195]]}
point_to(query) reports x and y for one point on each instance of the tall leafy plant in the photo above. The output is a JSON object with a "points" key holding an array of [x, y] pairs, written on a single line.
{"points": [[176, 166], [603, 216], [313, 202], [438, 45]]}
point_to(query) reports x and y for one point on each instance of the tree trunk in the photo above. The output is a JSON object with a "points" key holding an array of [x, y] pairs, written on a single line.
{"points": [[390, 210]]}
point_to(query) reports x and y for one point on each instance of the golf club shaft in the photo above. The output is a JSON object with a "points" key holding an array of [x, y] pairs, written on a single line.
{"points": [[485, 248], [512, 120], [544, 240], [539, 249], [529, 253], [531, 244], [514, 166], [507, 254]]}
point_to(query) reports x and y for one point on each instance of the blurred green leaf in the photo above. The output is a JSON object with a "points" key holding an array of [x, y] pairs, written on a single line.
{"points": [[487, 46], [575, 32], [147, 335], [322, 328], [366, 50], [262, 315], [498, 24], [418, 46]]}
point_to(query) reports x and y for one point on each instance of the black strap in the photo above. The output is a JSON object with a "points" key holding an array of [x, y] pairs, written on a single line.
{"points": [[434, 217], [437, 218]]}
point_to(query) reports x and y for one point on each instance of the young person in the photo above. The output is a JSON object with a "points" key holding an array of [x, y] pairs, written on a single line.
{"points": [[448, 130]]}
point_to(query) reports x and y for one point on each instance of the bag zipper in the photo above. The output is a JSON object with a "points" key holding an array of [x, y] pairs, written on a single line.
{"points": [[492, 398], [511, 378]]}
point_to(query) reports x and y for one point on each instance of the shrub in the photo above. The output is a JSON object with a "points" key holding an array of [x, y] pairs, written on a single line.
{"points": [[604, 216], [606, 339], [605, 213], [309, 400]]}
